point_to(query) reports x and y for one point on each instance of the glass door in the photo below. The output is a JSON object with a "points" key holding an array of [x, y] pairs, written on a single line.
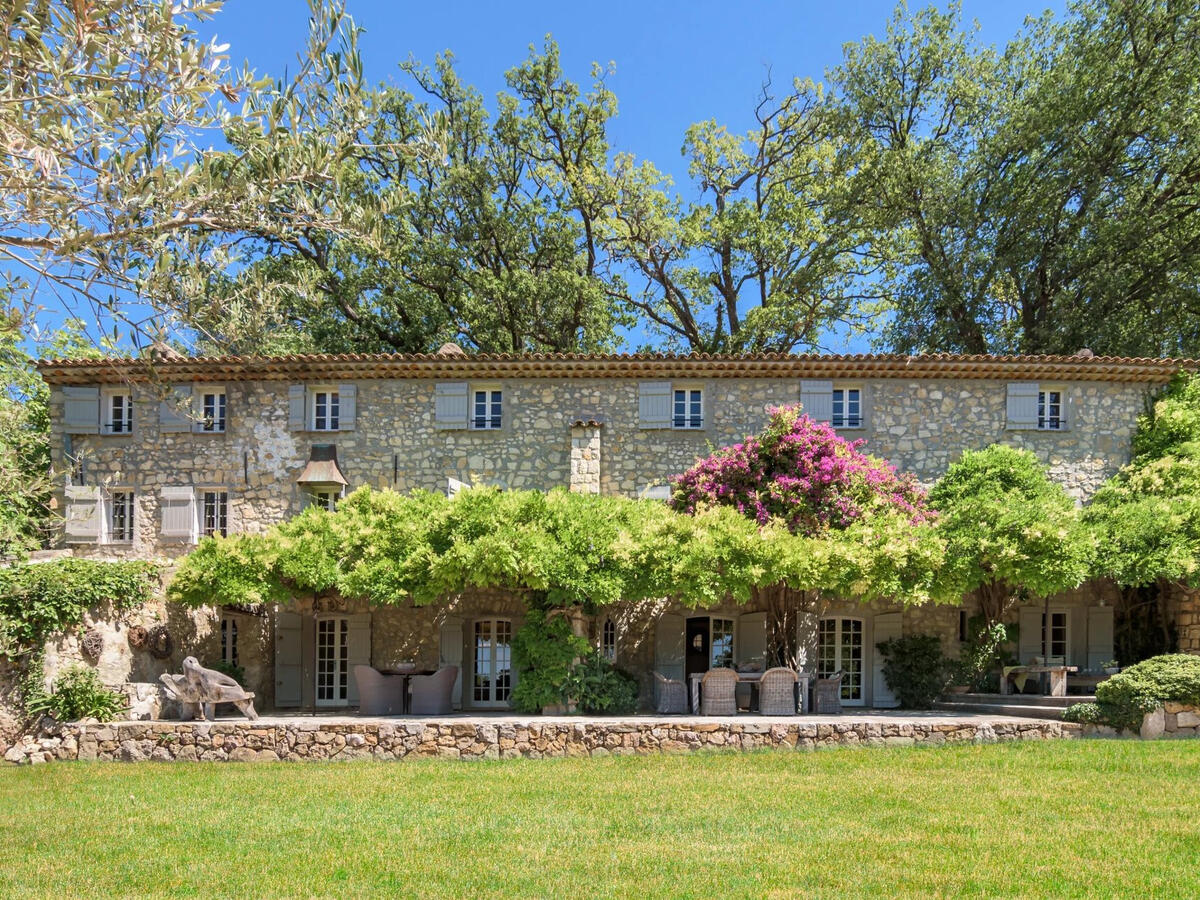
{"points": [[333, 668], [840, 646], [492, 682]]}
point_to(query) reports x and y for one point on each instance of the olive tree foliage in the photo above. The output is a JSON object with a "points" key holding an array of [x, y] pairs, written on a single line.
{"points": [[1009, 530], [494, 239], [1038, 198], [764, 251], [116, 126], [837, 521], [1147, 515], [558, 549], [26, 517]]}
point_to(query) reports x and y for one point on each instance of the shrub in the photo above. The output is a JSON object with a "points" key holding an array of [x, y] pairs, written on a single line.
{"points": [[983, 651], [544, 650], [599, 687], [233, 670], [915, 669], [1084, 714], [76, 694], [1126, 697]]}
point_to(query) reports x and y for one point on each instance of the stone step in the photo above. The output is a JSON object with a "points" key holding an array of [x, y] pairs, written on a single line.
{"points": [[1022, 699], [1019, 710]]}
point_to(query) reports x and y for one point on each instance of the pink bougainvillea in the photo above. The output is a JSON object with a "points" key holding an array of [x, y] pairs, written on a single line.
{"points": [[800, 472]]}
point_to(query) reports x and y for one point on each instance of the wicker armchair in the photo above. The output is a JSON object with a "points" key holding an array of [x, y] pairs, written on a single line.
{"points": [[670, 695], [718, 693], [433, 695], [828, 695], [378, 694], [777, 692]]}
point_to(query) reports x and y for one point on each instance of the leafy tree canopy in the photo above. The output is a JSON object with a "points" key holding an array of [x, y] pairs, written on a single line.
{"points": [[1008, 529], [1147, 516]]}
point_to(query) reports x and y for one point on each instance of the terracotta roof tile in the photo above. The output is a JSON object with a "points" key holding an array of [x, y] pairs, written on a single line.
{"points": [[638, 365]]}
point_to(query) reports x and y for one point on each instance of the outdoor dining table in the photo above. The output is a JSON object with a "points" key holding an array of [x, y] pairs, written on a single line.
{"points": [[803, 678]]}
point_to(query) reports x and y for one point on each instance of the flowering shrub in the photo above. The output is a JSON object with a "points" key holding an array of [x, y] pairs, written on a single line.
{"points": [[799, 472]]}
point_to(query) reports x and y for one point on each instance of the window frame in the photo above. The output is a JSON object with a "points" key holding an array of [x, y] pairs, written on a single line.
{"points": [[494, 402], [1046, 638], [693, 418], [315, 497], [847, 424], [206, 424], [202, 511], [1043, 405], [333, 408], [108, 515], [229, 640], [608, 639], [107, 396]]}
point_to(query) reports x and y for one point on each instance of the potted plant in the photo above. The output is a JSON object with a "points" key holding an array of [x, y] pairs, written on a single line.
{"points": [[1111, 667]]}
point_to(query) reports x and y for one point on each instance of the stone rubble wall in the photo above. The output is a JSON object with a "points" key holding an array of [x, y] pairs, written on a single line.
{"points": [[532, 739], [921, 426]]}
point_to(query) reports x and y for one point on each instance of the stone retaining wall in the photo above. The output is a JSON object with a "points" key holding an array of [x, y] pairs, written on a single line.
{"points": [[238, 741]]}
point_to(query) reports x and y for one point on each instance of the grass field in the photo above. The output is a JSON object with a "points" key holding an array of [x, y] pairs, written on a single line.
{"points": [[1079, 818]]}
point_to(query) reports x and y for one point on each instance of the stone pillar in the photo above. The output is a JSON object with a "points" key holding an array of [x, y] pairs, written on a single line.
{"points": [[585, 457], [1187, 620]]}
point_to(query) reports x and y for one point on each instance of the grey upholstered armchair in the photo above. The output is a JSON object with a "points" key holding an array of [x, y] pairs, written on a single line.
{"points": [[433, 695]]}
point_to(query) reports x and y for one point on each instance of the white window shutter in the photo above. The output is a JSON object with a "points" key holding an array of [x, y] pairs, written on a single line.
{"points": [[1022, 404], [296, 411], [81, 410], [668, 646], [358, 651], [450, 653], [175, 411], [1099, 637], [347, 406], [450, 403], [179, 519], [816, 399], [887, 626], [84, 514], [752, 638], [1029, 634], [287, 660], [655, 404]]}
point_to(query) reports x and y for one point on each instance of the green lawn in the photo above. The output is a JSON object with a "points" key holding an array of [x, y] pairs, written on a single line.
{"points": [[1078, 818]]}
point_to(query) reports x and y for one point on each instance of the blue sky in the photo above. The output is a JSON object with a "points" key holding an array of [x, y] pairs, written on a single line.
{"points": [[676, 63]]}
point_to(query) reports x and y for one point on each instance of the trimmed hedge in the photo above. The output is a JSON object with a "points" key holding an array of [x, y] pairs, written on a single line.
{"points": [[1126, 697]]}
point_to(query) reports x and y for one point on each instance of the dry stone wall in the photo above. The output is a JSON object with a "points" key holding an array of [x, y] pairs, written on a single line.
{"points": [[315, 739]]}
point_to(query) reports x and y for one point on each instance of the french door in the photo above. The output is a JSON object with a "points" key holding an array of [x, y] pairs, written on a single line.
{"points": [[840, 646], [333, 661], [492, 674]]}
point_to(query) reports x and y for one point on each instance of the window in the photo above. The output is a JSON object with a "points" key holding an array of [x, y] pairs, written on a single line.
{"points": [[325, 410], [1056, 636], [118, 413], [847, 408], [333, 661], [229, 641], [1049, 412], [722, 643], [120, 516], [689, 406], [215, 518], [212, 412], [324, 499], [487, 408], [608, 640]]}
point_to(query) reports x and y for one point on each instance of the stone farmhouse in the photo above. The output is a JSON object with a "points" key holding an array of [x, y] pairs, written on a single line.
{"points": [[155, 454]]}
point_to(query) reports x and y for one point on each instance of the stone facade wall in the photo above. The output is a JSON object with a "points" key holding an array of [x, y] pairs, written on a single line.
{"points": [[920, 426], [497, 739]]}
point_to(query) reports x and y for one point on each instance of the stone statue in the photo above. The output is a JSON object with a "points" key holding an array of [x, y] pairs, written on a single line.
{"points": [[199, 690]]}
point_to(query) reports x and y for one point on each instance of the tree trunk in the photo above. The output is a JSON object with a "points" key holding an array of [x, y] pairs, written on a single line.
{"points": [[783, 606]]}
